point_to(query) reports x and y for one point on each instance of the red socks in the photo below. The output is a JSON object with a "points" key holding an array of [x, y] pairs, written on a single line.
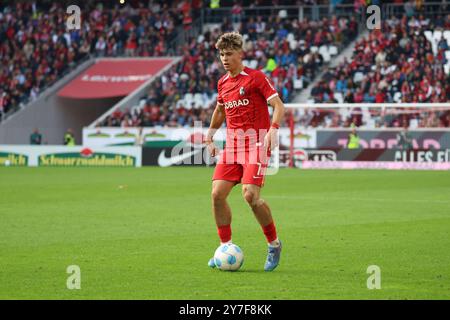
{"points": [[270, 232], [224, 233]]}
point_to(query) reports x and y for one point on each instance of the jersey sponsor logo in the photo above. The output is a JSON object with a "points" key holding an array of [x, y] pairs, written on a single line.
{"points": [[236, 103]]}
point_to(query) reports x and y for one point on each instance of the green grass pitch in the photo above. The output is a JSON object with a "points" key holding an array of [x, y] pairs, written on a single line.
{"points": [[148, 234]]}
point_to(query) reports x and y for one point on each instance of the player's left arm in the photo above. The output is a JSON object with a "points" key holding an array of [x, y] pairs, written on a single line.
{"points": [[271, 139]]}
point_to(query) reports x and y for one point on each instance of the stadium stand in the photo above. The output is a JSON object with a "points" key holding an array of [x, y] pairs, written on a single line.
{"points": [[36, 49], [407, 62], [290, 57], [291, 51]]}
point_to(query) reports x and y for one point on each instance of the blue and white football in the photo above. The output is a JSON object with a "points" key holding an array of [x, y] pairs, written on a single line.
{"points": [[228, 257]]}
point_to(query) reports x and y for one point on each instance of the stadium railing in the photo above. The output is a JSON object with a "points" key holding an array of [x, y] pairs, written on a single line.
{"points": [[311, 12], [427, 9]]}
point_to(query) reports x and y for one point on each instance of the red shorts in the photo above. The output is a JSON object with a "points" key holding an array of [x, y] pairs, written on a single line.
{"points": [[244, 169]]}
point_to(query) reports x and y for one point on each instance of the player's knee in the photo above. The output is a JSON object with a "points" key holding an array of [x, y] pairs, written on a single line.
{"points": [[251, 198], [218, 195]]}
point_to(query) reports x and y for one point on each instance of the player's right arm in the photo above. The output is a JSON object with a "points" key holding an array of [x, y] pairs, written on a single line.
{"points": [[217, 119]]}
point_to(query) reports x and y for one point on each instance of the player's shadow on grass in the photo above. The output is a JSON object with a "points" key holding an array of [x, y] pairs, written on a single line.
{"points": [[283, 270], [246, 271], [261, 271], [241, 271], [252, 271]]}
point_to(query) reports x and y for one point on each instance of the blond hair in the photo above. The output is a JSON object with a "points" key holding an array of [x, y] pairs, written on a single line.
{"points": [[230, 40]]}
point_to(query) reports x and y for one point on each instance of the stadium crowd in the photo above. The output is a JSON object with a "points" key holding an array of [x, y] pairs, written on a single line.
{"points": [[395, 65], [36, 48], [268, 42]]}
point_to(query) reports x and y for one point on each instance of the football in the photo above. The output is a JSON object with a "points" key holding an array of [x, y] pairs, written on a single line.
{"points": [[228, 257]]}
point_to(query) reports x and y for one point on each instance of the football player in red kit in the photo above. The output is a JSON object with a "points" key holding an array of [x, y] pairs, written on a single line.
{"points": [[243, 98]]}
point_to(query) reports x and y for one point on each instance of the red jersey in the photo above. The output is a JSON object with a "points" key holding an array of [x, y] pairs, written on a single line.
{"points": [[245, 98]]}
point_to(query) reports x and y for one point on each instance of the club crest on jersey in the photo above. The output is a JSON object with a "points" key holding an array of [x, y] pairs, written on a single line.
{"points": [[241, 91]]}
